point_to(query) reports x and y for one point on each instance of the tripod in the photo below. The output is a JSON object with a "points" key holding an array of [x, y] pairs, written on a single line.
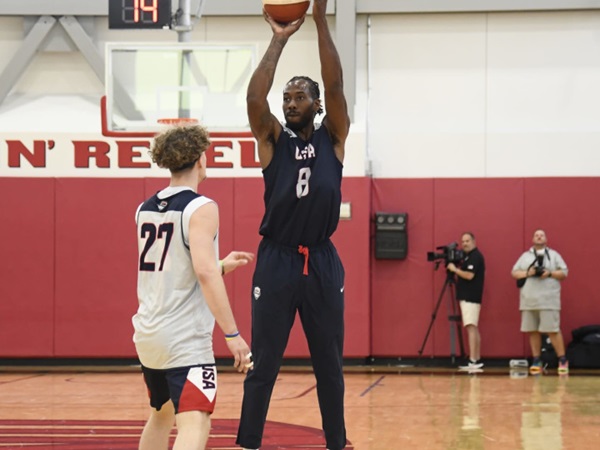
{"points": [[452, 317]]}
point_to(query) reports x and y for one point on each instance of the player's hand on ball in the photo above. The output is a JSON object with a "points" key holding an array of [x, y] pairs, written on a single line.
{"points": [[283, 29]]}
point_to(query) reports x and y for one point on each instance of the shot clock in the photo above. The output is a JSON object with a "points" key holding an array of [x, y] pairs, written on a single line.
{"points": [[139, 14]]}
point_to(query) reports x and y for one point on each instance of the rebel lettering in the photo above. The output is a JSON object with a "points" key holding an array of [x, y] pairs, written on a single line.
{"points": [[127, 154], [214, 152], [37, 157], [86, 150], [248, 154]]}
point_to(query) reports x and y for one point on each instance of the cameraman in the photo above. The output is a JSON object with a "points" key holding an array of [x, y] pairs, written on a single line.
{"points": [[469, 290], [542, 269]]}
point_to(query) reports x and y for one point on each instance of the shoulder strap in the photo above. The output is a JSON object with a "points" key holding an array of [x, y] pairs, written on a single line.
{"points": [[534, 259]]}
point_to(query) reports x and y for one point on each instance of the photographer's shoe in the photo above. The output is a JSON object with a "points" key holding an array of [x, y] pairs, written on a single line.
{"points": [[563, 366], [536, 366]]}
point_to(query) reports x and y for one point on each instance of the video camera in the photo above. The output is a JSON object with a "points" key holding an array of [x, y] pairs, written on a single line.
{"points": [[448, 253]]}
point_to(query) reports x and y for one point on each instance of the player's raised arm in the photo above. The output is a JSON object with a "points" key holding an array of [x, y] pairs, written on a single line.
{"points": [[263, 123], [337, 120]]}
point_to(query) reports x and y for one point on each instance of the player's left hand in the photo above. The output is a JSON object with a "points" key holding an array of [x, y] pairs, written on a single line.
{"points": [[242, 356], [236, 259]]}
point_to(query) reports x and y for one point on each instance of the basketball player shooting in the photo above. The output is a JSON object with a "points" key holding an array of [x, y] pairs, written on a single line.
{"points": [[298, 268]]}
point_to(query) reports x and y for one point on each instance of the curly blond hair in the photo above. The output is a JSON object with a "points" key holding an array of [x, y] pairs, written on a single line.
{"points": [[179, 147]]}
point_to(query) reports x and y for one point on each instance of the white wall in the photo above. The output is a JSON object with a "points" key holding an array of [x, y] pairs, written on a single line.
{"points": [[438, 95], [485, 95]]}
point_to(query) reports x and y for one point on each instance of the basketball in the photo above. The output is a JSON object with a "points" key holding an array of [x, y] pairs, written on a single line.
{"points": [[286, 11]]}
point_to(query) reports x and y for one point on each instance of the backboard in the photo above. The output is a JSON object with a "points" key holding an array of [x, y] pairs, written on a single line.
{"points": [[146, 82]]}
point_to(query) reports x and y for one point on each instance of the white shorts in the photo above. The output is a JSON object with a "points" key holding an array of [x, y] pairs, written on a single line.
{"points": [[470, 312], [544, 321]]}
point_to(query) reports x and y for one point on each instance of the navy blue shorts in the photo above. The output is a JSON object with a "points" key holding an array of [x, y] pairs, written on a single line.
{"points": [[191, 388]]}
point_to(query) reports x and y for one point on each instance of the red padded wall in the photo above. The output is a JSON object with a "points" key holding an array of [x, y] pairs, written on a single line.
{"points": [[27, 267], [402, 290], [406, 293], [352, 242], [247, 213], [68, 285], [567, 211], [493, 210], [95, 266], [503, 213]]}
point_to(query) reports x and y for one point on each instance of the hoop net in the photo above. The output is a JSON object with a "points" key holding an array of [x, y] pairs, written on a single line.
{"points": [[178, 121]]}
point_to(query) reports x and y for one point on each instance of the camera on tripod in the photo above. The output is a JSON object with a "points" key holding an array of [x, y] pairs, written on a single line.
{"points": [[448, 253]]}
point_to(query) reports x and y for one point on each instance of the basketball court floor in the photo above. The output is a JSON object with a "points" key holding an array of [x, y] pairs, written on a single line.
{"points": [[386, 408]]}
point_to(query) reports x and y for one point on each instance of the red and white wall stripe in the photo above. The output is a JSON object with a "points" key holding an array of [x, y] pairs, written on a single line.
{"points": [[486, 122]]}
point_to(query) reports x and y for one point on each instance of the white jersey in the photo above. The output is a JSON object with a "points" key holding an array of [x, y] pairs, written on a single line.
{"points": [[173, 324]]}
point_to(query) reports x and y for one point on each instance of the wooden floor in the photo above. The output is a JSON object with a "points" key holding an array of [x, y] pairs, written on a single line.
{"points": [[385, 409]]}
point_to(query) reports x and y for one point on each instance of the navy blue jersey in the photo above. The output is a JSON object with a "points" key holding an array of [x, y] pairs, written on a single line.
{"points": [[302, 189]]}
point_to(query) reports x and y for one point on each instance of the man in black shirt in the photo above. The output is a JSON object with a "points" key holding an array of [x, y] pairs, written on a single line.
{"points": [[469, 290]]}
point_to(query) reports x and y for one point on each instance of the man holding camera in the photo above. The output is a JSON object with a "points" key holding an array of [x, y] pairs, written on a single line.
{"points": [[469, 291], [541, 270]]}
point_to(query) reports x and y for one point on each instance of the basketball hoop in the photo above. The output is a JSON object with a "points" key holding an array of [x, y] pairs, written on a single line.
{"points": [[178, 121]]}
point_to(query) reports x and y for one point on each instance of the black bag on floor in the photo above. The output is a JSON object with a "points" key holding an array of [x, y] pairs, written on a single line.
{"points": [[581, 332], [584, 350]]}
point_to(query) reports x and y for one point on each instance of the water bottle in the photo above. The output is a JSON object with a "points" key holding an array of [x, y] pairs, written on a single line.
{"points": [[516, 374], [518, 363]]}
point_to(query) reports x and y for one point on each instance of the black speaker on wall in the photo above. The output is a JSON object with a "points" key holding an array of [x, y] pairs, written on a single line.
{"points": [[391, 239]]}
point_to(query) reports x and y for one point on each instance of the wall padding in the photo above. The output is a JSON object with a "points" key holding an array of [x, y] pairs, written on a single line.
{"points": [[568, 212], [503, 213], [69, 285], [96, 262], [27, 267]]}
